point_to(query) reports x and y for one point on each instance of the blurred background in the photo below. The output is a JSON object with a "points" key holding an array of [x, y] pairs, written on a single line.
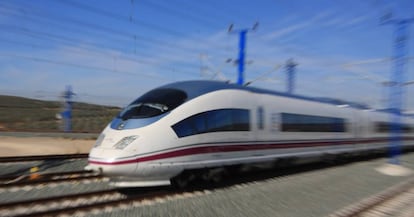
{"points": [[94, 57]]}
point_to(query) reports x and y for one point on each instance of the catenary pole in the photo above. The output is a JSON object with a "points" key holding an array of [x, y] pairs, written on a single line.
{"points": [[67, 112], [396, 85], [242, 52], [290, 70]]}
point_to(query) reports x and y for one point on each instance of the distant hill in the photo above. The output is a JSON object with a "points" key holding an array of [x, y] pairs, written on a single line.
{"points": [[24, 114]]}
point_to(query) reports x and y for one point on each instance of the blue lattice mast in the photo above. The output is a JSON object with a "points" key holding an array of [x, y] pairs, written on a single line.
{"points": [[67, 109], [397, 83], [242, 46], [290, 70]]}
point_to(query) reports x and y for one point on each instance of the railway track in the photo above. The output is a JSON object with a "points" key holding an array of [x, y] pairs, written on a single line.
{"points": [[85, 202], [106, 200], [45, 178], [41, 157], [99, 201], [395, 201]]}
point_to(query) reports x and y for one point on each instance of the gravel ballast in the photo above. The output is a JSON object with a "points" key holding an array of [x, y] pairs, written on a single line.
{"points": [[314, 193]]}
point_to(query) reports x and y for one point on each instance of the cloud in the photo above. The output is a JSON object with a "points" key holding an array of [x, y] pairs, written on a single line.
{"points": [[287, 30], [357, 20], [127, 74], [52, 69], [292, 28]]}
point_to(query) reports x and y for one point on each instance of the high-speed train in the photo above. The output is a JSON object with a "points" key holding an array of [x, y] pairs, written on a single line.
{"points": [[201, 128]]}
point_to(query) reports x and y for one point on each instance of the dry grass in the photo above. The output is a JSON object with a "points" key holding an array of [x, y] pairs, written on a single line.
{"points": [[22, 114]]}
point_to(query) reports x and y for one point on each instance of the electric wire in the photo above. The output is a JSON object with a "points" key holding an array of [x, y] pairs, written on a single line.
{"points": [[106, 13], [101, 28], [28, 13], [88, 27], [92, 48], [71, 41], [159, 66], [182, 15], [228, 9], [95, 68]]}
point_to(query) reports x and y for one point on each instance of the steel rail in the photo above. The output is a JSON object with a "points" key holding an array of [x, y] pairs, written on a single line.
{"points": [[45, 178], [41, 157], [85, 207], [375, 201]]}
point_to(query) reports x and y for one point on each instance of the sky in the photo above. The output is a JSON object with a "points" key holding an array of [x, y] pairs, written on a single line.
{"points": [[111, 52]]}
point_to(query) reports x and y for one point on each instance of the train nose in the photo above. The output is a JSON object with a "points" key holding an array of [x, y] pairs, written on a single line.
{"points": [[94, 168], [110, 163]]}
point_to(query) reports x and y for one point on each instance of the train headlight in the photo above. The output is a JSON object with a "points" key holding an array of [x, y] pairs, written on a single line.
{"points": [[124, 142]]}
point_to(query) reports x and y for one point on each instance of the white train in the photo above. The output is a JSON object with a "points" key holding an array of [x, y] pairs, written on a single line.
{"points": [[170, 134]]}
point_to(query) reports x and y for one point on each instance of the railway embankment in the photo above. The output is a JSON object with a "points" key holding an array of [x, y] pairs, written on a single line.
{"points": [[319, 192], [27, 143]]}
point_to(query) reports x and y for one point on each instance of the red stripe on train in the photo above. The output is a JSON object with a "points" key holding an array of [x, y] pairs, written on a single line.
{"points": [[233, 148]]}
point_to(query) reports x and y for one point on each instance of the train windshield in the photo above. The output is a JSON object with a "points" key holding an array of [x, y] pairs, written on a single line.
{"points": [[153, 103]]}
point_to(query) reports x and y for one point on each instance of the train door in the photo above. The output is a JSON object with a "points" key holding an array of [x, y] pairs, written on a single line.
{"points": [[356, 124], [258, 123], [261, 124], [260, 118], [360, 124]]}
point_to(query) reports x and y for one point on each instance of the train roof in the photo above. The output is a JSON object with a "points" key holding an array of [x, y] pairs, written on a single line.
{"points": [[197, 88]]}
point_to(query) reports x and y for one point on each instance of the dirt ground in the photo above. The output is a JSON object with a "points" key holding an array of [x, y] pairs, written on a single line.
{"points": [[12, 146]]}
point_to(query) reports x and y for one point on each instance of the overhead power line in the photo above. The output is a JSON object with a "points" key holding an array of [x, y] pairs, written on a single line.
{"points": [[227, 9], [126, 35], [160, 66], [89, 26], [182, 15], [96, 10], [98, 27], [72, 42], [95, 68]]}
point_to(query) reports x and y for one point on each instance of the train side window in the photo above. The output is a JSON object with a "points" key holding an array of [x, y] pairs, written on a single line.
{"points": [[386, 127], [405, 128], [382, 127], [311, 123], [260, 118], [200, 123], [241, 120], [220, 120], [184, 128]]}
